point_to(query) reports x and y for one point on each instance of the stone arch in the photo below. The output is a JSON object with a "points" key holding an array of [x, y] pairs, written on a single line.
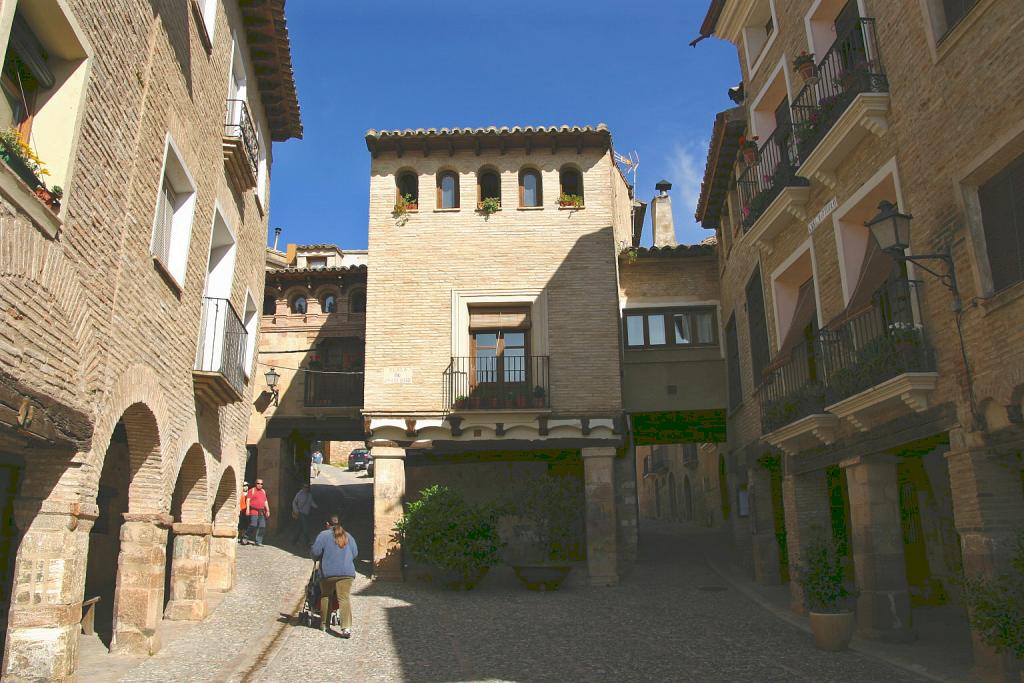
{"points": [[293, 293], [190, 501], [225, 499], [145, 487]]}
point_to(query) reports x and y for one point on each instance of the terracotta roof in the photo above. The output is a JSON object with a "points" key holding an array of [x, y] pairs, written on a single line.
{"points": [[710, 23], [448, 139], [722, 150], [330, 246], [266, 32], [311, 271], [680, 250]]}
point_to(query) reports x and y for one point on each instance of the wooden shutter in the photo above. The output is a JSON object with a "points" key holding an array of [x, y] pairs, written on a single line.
{"points": [[758, 326], [493, 318], [164, 222], [732, 352], [1002, 215]]}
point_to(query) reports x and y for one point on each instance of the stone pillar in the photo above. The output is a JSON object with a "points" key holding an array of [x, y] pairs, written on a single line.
{"points": [[139, 595], [764, 542], [808, 516], [189, 568], [43, 622], [883, 606], [388, 497], [221, 574], [602, 534], [987, 509]]}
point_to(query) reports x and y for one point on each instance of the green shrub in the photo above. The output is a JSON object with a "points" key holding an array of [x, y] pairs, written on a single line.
{"points": [[996, 606], [554, 505], [821, 574], [443, 531]]}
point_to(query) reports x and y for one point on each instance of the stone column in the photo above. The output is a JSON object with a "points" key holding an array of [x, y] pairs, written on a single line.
{"points": [[765, 544], [223, 544], [139, 595], [388, 497], [883, 606], [189, 568], [602, 541], [808, 516], [988, 510], [43, 622]]}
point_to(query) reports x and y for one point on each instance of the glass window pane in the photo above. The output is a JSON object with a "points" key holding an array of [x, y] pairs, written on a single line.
{"points": [[530, 197], [634, 330], [656, 329], [448, 192], [486, 365], [681, 323], [705, 327], [515, 365], [486, 340], [513, 339]]}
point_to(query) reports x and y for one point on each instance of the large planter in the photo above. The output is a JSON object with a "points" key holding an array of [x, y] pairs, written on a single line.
{"points": [[806, 71], [18, 165], [832, 632], [542, 577], [458, 581]]}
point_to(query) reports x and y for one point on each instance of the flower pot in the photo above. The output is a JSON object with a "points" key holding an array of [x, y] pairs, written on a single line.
{"points": [[806, 71], [460, 403], [18, 165], [538, 401], [749, 155], [542, 577], [521, 401], [493, 402], [458, 581], [474, 402], [832, 632]]}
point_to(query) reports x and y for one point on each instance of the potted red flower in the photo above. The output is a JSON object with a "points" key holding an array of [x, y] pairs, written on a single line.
{"points": [[748, 149], [538, 396], [804, 65]]}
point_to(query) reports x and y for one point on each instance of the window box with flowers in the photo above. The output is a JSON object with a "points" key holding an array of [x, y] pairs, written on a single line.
{"points": [[570, 201], [748, 149], [20, 158], [404, 205]]}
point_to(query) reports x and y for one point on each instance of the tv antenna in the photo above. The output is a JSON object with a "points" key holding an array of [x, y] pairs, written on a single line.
{"points": [[629, 164]]}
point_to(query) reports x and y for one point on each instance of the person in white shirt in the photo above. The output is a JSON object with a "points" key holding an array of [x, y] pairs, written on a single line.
{"points": [[315, 462], [302, 507]]}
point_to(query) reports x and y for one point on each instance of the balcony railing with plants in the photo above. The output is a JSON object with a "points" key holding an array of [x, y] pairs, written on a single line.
{"points": [[488, 383], [851, 66], [331, 389], [222, 340], [865, 350], [770, 168], [238, 124]]}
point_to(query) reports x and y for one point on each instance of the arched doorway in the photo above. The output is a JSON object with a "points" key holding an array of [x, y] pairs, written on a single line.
{"points": [[188, 548], [129, 535], [672, 497], [687, 499]]}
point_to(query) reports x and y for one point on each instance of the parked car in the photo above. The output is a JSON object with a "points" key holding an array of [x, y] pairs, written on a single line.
{"points": [[369, 465], [357, 459]]}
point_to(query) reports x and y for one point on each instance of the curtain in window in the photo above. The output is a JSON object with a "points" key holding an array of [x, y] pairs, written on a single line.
{"points": [[531, 187], [448, 192], [164, 223]]}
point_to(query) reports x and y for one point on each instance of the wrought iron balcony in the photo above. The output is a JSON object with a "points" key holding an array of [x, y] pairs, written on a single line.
{"points": [[773, 168], [241, 146], [219, 373], [866, 350], [851, 66], [497, 383], [332, 389]]}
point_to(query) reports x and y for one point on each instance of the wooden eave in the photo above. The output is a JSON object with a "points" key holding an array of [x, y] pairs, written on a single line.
{"points": [[718, 171], [448, 142], [270, 53]]}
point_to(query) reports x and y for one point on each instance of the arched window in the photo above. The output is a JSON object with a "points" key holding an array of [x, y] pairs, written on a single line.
{"points": [[530, 191], [329, 304], [488, 186], [357, 301], [299, 304], [269, 305], [447, 190], [407, 188], [570, 183]]}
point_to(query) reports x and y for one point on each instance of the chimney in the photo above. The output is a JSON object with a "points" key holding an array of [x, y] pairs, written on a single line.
{"points": [[277, 236], [661, 217]]}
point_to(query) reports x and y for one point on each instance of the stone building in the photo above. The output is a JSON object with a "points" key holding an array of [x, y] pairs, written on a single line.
{"points": [[128, 304], [494, 330], [879, 397], [312, 335]]}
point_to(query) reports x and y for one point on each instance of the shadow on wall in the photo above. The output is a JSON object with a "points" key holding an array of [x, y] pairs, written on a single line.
{"points": [[175, 19]]}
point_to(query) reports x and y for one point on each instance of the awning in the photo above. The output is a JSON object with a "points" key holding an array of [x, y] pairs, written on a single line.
{"points": [[803, 315], [491, 318], [876, 269]]}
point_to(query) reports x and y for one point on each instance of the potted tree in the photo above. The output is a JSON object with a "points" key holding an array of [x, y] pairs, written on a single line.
{"points": [[457, 540], [995, 608], [821, 574], [804, 65], [538, 396], [552, 509], [460, 401], [521, 399], [748, 149]]}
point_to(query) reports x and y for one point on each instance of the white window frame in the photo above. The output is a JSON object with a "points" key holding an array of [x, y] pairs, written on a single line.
{"points": [[756, 128], [805, 248], [210, 17], [251, 321], [940, 41], [228, 259], [754, 62], [177, 174]]}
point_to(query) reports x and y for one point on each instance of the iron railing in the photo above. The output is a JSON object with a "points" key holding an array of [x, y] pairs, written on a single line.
{"points": [[851, 66], [773, 168], [222, 340], [863, 351], [334, 389], [238, 124], [488, 382]]}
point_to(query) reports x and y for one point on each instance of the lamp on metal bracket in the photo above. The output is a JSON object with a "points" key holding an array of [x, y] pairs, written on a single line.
{"points": [[272, 377], [891, 230]]}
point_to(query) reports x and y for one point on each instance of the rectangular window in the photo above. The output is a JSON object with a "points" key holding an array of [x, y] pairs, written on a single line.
{"points": [[732, 353], [1002, 216], [954, 11], [758, 326], [172, 220], [316, 262], [671, 327]]}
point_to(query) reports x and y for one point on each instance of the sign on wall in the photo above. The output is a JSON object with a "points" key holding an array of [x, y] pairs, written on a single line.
{"points": [[397, 375], [829, 207]]}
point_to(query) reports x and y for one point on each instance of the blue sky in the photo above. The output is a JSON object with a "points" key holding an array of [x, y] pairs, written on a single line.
{"points": [[363, 64]]}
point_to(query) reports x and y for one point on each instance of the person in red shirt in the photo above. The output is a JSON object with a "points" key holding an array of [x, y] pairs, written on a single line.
{"points": [[257, 507]]}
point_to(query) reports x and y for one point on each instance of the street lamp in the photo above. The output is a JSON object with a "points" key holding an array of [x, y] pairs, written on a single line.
{"points": [[272, 377], [891, 231]]}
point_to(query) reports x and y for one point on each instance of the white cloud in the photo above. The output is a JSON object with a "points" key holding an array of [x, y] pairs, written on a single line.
{"points": [[686, 165]]}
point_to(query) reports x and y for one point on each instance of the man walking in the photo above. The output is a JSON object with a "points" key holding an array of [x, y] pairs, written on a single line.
{"points": [[315, 462], [257, 508], [302, 508]]}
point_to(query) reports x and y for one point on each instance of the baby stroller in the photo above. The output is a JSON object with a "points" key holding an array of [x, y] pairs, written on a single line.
{"points": [[310, 614]]}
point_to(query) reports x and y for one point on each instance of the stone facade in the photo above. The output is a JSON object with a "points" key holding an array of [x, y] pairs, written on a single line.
{"points": [[110, 457], [318, 353], [933, 442]]}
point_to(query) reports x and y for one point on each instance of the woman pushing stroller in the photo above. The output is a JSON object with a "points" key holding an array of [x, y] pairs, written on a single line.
{"points": [[336, 550]]}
